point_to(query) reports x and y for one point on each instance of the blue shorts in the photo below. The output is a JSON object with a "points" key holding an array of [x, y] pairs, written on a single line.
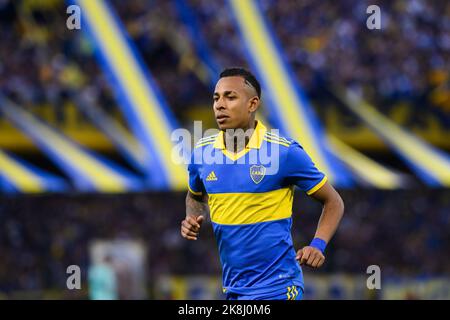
{"points": [[290, 293]]}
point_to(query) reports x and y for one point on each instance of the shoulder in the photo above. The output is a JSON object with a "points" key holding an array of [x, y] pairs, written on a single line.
{"points": [[274, 138], [198, 151], [297, 154], [206, 141]]}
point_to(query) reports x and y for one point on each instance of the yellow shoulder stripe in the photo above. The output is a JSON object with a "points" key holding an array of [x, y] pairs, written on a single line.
{"points": [[272, 135], [275, 141], [204, 144], [208, 138]]}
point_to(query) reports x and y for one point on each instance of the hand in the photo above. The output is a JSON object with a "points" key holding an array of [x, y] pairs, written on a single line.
{"points": [[310, 256], [190, 227]]}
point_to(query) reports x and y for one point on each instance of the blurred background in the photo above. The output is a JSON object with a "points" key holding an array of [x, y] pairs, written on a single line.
{"points": [[90, 95]]}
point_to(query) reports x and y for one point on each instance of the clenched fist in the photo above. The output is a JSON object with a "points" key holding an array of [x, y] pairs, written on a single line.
{"points": [[310, 256], [190, 227]]}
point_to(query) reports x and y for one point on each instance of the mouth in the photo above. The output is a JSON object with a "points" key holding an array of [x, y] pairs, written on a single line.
{"points": [[222, 118]]}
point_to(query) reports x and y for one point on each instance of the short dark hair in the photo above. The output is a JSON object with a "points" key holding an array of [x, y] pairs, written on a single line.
{"points": [[244, 73]]}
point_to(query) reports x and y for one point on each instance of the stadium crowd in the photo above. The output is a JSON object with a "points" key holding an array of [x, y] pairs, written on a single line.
{"points": [[404, 232], [42, 63], [407, 60], [326, 43]]}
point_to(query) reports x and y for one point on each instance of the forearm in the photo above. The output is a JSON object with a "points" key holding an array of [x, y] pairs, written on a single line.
{"points": [[332, 212], [196, 206]]}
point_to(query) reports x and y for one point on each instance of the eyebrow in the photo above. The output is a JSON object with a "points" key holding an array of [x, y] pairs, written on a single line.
{"points": [[226, 93]]}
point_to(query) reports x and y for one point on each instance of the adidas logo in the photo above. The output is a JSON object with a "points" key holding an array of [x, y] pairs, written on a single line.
{"points": [[211, 176]]}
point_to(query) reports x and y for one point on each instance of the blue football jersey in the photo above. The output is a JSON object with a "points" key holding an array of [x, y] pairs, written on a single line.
{"points": [[250, 196]]}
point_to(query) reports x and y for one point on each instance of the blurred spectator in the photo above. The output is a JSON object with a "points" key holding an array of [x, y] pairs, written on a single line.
{"points": [[326, 43], [102, 280], [404, 232]]}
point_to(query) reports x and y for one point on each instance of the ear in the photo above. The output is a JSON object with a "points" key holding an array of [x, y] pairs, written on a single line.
{"points": [[253, 104]]}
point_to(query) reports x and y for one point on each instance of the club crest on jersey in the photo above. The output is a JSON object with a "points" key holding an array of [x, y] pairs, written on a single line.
{"points": [[257, 173]]}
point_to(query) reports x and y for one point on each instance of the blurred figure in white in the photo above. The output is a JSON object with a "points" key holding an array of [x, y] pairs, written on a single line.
{"points": [[102, 280]]}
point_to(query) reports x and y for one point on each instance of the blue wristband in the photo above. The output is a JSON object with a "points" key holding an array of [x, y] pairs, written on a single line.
{"points": [[319, 244]]}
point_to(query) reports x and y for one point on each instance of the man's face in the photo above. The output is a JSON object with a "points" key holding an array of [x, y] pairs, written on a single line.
{"points": [[234, 103]]}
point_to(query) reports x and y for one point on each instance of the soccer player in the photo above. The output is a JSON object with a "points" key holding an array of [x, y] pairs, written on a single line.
{"points": [[250, 210]]}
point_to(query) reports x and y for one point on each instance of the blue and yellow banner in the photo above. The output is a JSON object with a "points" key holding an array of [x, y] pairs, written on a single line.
{"points": [[290, 111], [88, 172], [427, 162], [187, 16], [122, 139], [370, 172], [147, 113], [19, 176]]}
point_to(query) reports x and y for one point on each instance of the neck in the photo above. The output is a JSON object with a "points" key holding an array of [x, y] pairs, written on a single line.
{"points": [[236, 139], [250, 125]]}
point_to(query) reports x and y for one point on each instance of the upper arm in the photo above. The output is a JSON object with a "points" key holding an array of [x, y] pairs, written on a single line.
{"points": [[326, 193]]}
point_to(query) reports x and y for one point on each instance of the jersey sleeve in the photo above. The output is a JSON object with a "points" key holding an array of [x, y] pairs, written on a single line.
{"points": [[301, 171], [195, 183]]}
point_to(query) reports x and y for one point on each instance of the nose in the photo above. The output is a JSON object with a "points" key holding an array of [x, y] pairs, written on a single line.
{"points": [[219, 104]]}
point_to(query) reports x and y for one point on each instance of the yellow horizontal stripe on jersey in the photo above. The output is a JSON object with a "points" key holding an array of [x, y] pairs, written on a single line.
{"points": [[248, 208]]}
